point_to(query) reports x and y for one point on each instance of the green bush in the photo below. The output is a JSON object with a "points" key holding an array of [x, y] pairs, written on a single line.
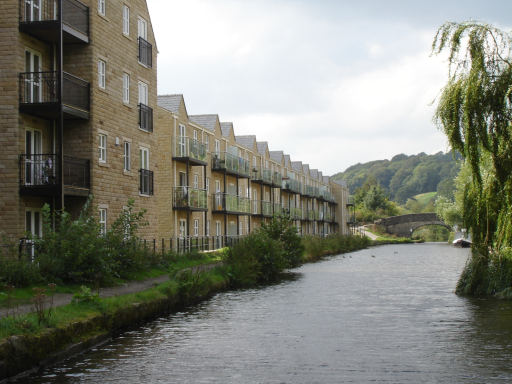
{"points": [[257, 258], [282, 230]]}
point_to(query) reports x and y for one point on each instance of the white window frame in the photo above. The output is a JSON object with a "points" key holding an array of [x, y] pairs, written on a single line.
{"points": [[207, 186], [207, 227], [102, 7], [196, 227], [142, 28], [195, 134], [102, 77], [126, 20], [218, 229], [126, 88], [207, 142], [143, 93], [183, 228], [196, 181], [102, 148], [127, 157], [217, 147], [103, 221], [144, 158]]}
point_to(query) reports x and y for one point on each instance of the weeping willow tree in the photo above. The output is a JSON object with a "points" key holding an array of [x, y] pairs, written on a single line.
{"points": [[474, 110]]}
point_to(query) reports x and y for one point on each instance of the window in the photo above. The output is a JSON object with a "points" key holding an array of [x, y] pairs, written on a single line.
{"points": [[102, 147], [196, 181], [254, 161], [127, 155], [208, 228], [240, 228], [32, 10], [183, 228], [102, 67], [217, 147], [144, 158], [196, 227], [217, 228], [207, 186], [33, 89], [101, 7], [126, 88], [207, 142], [126, 20], [195, 135], [142, 27], [143, 93], [103, 221]]}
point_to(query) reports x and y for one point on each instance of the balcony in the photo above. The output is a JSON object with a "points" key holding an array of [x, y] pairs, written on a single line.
{"points": [[277, 180], [145, 53], [309, 191], [189, 150], [232, 165], [291, 185], [231, 204], [146, 182], [40, 20], [39, 175], [310, 215], [262, 175], [145, 118], [350, 201], [188, 198], [261, 208], [295, 213], [39, 95], [278, 209]]}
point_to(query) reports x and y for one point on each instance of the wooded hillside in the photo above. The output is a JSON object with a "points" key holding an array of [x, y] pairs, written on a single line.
{"points": [[405, 176]]}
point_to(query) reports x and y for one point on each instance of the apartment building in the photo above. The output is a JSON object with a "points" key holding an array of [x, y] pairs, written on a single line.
{"points": [[221, 185], [78, 81], [80, 116]]}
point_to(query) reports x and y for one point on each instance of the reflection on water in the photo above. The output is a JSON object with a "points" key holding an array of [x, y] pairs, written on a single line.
{"points": [[386, 314]]}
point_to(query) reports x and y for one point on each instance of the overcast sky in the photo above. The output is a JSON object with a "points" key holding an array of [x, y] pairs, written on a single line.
{"points": [[332, 83]]}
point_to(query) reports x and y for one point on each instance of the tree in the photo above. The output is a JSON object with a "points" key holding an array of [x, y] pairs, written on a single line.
{"points": [[474, 110]]}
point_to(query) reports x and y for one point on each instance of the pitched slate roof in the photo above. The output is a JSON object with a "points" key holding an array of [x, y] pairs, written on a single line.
{"points": [[305, 169], [297, 166], [314, 173], [170, 102], [226, 128], [262, 147], [205, 121], [246, 141], [326, 179], [276, 156], [343, 183]]}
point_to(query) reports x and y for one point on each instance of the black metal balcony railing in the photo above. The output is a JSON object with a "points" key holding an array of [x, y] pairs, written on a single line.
{"points": [[38, 170], [146, 182], [190, 198], [76, 172], [41, 87], [145, 118], [41, 170], [145, 52], [74, 13]]}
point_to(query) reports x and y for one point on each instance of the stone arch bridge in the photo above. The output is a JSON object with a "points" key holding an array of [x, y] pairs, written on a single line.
{"points": [[405, 225]]}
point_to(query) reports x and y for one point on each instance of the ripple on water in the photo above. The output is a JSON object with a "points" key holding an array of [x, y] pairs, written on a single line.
{"points": [[391, 318]]}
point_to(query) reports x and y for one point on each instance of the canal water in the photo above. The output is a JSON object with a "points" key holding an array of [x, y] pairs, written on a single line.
{"points": [[385, 315]]}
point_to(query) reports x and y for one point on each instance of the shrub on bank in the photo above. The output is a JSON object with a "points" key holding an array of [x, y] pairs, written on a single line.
{"points": [[485, 276], [317, 247]]}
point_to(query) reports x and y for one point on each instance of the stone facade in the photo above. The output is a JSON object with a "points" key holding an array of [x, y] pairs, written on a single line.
{"points": [[126, 143]]}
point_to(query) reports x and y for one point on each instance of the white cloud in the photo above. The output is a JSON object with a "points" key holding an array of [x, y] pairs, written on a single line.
{"points": [[329, 88]]}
